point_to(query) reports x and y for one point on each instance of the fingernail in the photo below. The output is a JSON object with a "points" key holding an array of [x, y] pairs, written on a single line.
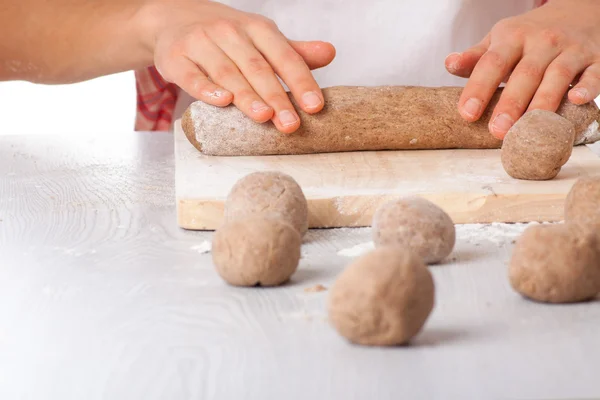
{"points": [[287, 118], [217, 93], [311, 100], [454, 66], [581, 93], [258, 106], [502, 123], [472, 108]]}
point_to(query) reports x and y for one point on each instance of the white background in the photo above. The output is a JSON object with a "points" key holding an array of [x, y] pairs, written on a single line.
{"points": [[98, 106]]}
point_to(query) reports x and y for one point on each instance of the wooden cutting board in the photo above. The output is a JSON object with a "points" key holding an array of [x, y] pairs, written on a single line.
{"points": [[345, 189]]}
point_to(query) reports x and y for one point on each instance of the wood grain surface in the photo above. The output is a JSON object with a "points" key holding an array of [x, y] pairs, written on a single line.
{"points": [[345, 189], [103, 296]]}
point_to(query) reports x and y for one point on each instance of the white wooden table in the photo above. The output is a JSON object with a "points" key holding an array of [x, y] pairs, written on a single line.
{"points": [[102, 296]]}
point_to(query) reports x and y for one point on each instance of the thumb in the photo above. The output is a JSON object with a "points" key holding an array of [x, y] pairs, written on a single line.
{"points": [[316, 54]]}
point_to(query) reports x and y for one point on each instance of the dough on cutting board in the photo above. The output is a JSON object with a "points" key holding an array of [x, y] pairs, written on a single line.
{"points": [[256, 251], [416, 224], [537, 145], [364, 118], [383, 298], [582, 204], [270, 194], [556, 264]]}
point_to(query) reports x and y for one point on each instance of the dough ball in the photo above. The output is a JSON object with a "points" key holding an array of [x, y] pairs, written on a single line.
{"points": [[556, 264], [416, 224], [383, 298], [256, 251], [537, 145], [583, 202], [270, 194]]}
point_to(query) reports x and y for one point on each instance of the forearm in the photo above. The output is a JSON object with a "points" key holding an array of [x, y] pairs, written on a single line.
{"points": [[62, 41]]}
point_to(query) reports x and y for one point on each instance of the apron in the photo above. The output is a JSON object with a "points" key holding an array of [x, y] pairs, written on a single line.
{"points": [[384, 42]]}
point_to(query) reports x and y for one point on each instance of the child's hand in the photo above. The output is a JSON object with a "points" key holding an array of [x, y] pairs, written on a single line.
{"points": [[221, 55], [539, 54]]}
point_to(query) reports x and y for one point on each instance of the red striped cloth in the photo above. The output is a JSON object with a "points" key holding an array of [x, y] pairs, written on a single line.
{"points": [[156, 99]]}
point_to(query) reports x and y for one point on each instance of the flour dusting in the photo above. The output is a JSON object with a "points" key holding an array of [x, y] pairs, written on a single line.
{"points": [[500, 234], [202, 248], [590, 135], [357, 250]]}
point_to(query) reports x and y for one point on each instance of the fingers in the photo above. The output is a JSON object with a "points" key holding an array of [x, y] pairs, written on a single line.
{"points": [[226, 74], [520, 89], [315, 54], [588, 87], [493, 66], [261, 76], [557, 79], [191, 79], [289, 66], [462, 64]]}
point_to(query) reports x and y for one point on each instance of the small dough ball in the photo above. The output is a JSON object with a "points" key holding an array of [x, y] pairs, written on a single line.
{"points": [[416, 224], [256, 251], [537, 145], [383, 298], [270, 194], [583, 202], [556, 264]]}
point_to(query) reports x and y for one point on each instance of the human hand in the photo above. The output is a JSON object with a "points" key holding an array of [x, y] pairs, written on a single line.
{"points": [[221, 56], [538, 54]]}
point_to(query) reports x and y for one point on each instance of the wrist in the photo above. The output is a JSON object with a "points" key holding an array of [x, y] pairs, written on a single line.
{"points": [[150, 21]]}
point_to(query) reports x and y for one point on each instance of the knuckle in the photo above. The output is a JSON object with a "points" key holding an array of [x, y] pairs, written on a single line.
{"points": [[196, 85], [494, 59], [552, 37], [258, 66], [517, 34], [194, 34], [191, 38], [476, 88], [514, 103], [224, 73], [508, 29], [592, 76], [563, 71], [226, 27], [529, 70], [547, 100], [290, 60], [263, 23]]}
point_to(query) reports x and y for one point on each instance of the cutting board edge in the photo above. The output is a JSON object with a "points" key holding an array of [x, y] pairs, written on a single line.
{"points": [[357, 211]]}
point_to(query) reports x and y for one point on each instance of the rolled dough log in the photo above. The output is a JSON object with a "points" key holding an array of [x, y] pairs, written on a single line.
{"points": [[361, 119]]}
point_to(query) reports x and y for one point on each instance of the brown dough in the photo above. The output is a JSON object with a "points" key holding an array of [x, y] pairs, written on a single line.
{"points": [[537, 146], [256, 251], [383, 298], [270, 194], [556, 264], [416, 224], [361, 118], [582, 205]]}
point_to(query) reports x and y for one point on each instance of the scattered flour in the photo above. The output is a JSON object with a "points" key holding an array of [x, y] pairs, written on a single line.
{"points": [[357, 250], [591, 134], [499, 234], [202, 248], [496, 233]]}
